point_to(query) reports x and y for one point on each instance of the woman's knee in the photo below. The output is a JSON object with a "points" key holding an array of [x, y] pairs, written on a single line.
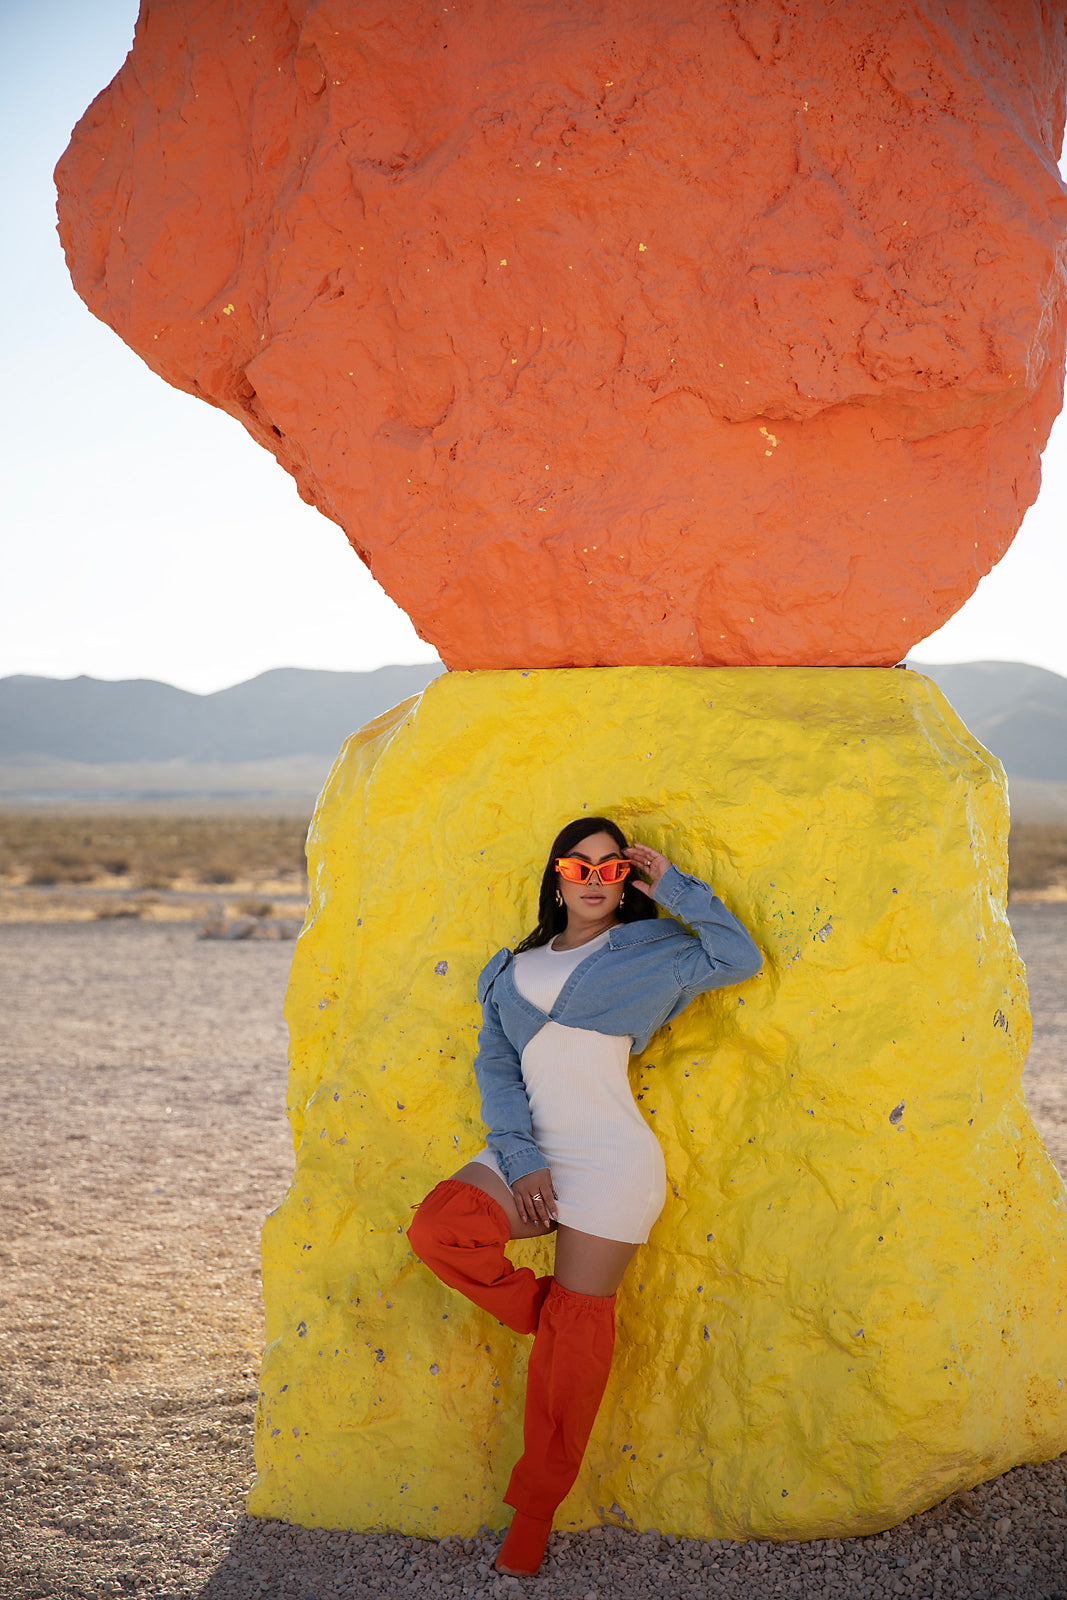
{"points": [[456, 1193], [424, 1228], [457, 1213], [479, 1176]]}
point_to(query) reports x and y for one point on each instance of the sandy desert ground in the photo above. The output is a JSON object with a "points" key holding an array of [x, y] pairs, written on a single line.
{"points": [[143, 1091]]}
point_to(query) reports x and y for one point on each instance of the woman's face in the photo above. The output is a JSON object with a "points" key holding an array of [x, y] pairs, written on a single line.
{"points": [[592, 901]]}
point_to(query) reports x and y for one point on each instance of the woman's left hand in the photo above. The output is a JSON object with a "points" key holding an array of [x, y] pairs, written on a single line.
{"points": [[650, 862]]}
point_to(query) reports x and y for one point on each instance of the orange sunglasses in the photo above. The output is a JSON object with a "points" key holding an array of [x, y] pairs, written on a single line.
{"points": [[575, 870]]}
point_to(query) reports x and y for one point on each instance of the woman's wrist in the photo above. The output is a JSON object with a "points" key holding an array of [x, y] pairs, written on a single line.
{"points": [[535, 1197], [651, 862]]}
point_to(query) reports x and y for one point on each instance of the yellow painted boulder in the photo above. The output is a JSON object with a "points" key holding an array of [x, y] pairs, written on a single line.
{"points": [[853, 1302]]}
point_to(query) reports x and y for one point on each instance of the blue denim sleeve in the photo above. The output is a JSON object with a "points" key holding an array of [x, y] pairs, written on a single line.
{"points": [[505, 1107], [723, 952]]}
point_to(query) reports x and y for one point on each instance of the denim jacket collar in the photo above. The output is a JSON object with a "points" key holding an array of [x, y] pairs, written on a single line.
{"points": [[620, 937], [642, 932]]}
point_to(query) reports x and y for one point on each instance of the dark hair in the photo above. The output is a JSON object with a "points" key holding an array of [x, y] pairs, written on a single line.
{"points": [[551, 916]]}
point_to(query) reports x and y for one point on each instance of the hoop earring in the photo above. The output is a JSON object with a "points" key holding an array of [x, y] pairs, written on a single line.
{"points": [[559, 898]]}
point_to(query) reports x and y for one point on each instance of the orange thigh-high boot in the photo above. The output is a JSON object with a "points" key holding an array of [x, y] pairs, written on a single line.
{"points": [[569, 1366], [460, 1233]]}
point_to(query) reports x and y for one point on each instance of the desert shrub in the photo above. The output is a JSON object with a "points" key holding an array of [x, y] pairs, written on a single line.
{"points": [[63, 866], [1037, 855], [43, 873], [157, 845], [256, 908], [218, 872]]}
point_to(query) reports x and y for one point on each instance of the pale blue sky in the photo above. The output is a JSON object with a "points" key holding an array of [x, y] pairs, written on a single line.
{"points": [[145, 535]]}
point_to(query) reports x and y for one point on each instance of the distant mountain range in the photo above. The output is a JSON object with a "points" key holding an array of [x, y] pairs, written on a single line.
{"points": [[1018, 712], [289, 712], [277, 733]]}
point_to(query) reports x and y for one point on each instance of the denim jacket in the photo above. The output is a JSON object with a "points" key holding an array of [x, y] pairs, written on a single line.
{"points": [[642, 977]]}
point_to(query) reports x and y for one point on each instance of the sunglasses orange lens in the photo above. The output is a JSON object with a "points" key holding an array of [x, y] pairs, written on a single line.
{"points": [[575, 870]]}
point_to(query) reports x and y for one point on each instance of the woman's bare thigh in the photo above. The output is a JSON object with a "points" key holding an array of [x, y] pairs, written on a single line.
{"points": [[479, 1176], [587, 1264]]}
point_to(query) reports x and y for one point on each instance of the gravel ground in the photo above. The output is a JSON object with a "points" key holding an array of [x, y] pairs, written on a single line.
{"points": [[142, 1086]]}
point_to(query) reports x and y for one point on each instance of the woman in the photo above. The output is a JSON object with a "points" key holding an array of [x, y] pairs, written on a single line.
{"points": [[568, 1149]]}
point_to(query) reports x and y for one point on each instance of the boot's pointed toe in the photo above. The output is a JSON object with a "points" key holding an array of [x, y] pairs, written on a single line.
{"points": [[525, 1542]]}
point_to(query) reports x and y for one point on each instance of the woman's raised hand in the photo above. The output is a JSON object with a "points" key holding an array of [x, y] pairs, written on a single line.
{"points": [[535, 1198], [650, 862]]}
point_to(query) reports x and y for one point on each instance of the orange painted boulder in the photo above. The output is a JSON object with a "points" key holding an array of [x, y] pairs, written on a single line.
{"points": [[612, 334]]}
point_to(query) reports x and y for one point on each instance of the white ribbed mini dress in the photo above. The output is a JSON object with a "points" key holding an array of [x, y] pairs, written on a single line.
{"points": [[607, 1167]]}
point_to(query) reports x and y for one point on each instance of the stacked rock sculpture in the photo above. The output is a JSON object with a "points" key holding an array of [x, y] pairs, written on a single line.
{"points": [[656, 361]]}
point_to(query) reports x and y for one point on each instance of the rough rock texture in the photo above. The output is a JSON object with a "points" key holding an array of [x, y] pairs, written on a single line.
{"points": [[634, 333], [144, 1075], [851, 1304]]}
